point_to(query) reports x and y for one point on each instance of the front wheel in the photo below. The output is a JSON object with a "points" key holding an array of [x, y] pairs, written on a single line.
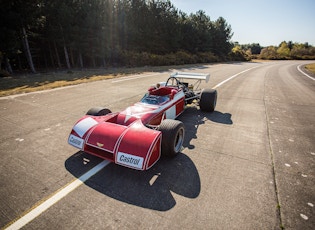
{"points": [[173, 133], [98, 111], [208, 100]]}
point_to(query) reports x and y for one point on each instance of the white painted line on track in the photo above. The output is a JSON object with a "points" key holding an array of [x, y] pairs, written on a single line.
{"points": [[132, 77], [46, 204], [234, 76], [36, 211], [299, 69]]}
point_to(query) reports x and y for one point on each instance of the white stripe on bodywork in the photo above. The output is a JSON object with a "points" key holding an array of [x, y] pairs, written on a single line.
{"points": [[84, 125], [171, 112]]}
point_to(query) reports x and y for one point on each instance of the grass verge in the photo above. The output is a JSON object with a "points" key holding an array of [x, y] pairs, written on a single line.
{"points": [[311, 67], [26, 83]]}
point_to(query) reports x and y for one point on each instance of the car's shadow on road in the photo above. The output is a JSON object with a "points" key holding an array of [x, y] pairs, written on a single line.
{"points": [[148, 189], [193, 118]]}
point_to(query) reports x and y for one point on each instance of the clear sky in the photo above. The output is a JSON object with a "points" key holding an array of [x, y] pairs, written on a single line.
{"points": [[267, 22]]}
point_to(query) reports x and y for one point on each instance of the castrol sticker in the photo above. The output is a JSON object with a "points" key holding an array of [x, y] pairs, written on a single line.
{"points": [[75, 141], [129, 160]]}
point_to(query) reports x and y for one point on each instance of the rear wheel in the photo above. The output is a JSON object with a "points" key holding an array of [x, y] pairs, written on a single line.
{"points": [[173, 132], [98, 111], [208, 100]]}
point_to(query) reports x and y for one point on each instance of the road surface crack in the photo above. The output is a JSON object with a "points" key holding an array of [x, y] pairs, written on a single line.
{"points": [[272, 158]]}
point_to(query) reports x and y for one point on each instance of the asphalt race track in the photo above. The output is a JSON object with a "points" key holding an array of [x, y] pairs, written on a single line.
{"points": [[248, 165]]}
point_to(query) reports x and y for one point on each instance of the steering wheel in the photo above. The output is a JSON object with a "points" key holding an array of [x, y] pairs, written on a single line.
{"points": [[171, 80]]}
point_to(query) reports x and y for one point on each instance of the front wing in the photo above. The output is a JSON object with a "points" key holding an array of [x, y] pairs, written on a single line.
{"points": [[134, 146]]}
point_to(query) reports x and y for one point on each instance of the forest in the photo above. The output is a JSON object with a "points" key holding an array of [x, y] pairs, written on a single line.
{"points": [[43, 35]]}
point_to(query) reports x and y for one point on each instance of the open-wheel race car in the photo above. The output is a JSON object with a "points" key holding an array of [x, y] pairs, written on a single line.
{"points": [[137, 136]]}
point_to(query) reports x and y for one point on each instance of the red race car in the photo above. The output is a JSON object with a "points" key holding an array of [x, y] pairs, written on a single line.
{"points": [[137, 136]]}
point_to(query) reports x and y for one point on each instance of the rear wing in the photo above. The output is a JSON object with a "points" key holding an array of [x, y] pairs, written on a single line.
{"points": [[187, 75]]}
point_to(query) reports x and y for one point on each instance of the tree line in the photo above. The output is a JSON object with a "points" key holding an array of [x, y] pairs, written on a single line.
{"points": [[285, 51], [57, 34], [288, 51], [65, 34]]}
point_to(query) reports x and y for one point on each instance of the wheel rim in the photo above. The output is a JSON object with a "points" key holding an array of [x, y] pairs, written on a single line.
{"points": [[179, 139], [215, 101]]}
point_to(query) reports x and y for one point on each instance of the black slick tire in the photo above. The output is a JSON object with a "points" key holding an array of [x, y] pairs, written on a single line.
{"points": [[208, 100], [173, 133], [98, 111]]}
